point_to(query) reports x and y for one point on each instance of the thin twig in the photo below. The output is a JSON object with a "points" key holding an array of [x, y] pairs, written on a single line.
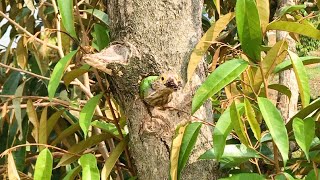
{"points": [[26, 72], [27, 32], [36, 144]]}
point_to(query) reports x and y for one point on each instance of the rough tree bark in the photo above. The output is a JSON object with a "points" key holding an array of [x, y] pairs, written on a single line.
{"points": [[161, 36]]}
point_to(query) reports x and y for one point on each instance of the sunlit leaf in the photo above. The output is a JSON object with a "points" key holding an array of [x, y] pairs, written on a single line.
{"points": [[87, 112], [292, 8], [90, 170], [66, 12], [22, 53], [114, 156], [232, 150], [304, 131], [302, 78], [251, 117], [16, 102], [205, 42], [33, 118], [238, 124], [249, 30], [43, 168], [99, 14], [58, 72], [294, 27], [217, 4], [175, 152], [284, 176], [43, 136], [12, 169], [222, 76], [188, 141], [264, 13], [276, 126], [242, 176], [223, 129], [107, 127], [274, 56], [287, 64]]}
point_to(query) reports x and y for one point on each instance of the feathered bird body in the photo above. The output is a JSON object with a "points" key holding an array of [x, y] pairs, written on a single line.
{"points": [[157, 90]]}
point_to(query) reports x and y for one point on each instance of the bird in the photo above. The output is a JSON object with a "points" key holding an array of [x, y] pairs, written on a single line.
{"points": [[156, 91]]}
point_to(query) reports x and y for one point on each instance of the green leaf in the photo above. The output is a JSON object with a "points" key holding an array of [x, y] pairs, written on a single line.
{"points": [[302, 78], [101, 37], [295, 27], [276, 126], [58, 72], [287, 64], [43, 168], [114, 156], [232, 151], [222, 76], [80, 147], [205, 42], [99, 14], [188, 141], [11, 84], [284, 176], [222, 130], [249, 30], [89, 167], [251, 117], [238, 124], [70, 76], [53, 120], [281, 88], [304, 131], [242, 176], [312, 175], [288, 9], [66, 12], [86, 113], [73, 173], [107, 127], [67, 132]]}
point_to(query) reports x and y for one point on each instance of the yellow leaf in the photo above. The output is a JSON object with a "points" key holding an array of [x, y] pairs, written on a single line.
{"points": [[22, 53], [209, 37], [264, 13], [43, 128], [174, 158], [33, 118], [12, 169]]}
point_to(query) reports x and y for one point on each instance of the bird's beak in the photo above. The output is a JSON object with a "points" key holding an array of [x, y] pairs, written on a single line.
{"points": [[173, 83]]}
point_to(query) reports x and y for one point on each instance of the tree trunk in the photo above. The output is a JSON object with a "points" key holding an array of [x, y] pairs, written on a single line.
{"points": [[161, 36], [287, 107]]}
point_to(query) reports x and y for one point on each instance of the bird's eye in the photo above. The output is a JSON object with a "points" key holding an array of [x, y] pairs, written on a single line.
{"points": [[162, 78]]}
